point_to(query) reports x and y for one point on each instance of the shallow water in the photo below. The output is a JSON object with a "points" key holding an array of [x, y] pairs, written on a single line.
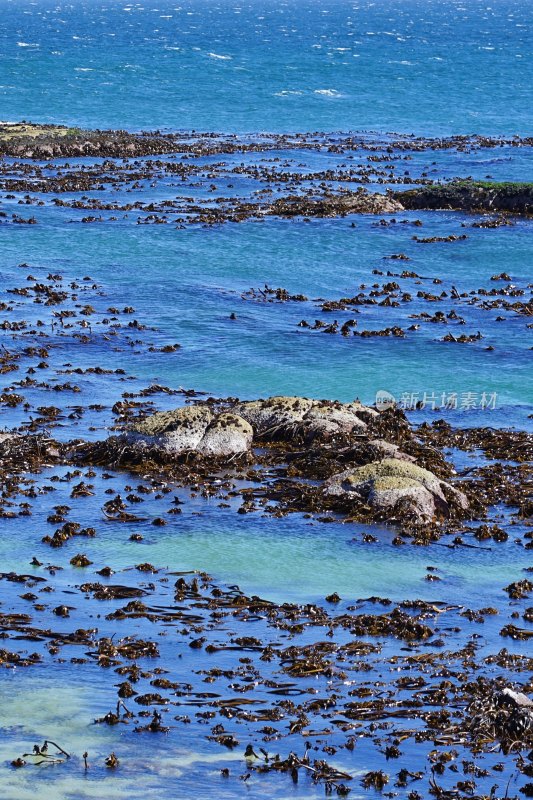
{"points": [[196, 277]]}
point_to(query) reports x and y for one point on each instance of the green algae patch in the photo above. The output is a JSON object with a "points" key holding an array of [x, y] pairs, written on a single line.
{"points": [[390, 482], [30, 130], [400, 473]]}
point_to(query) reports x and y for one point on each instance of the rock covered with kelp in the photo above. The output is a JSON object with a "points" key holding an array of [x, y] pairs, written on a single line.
{"points": [[467, 195], [342, 457], [220, 433], [394, 486], [286, 417]]}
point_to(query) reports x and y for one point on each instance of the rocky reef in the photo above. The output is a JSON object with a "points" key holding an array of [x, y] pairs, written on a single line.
{"points": [[341, 457], [28, 140], [360, 202], [219, 433]]}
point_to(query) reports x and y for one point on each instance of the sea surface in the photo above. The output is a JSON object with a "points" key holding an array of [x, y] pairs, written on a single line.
{"points": [[364, 68], [458, 66]]}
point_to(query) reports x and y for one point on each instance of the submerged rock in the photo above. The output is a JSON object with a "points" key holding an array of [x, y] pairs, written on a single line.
{"points": [[394, 484]]}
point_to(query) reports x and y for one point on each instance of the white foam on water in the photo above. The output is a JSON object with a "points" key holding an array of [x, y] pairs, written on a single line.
{"points": [[328, 92]]}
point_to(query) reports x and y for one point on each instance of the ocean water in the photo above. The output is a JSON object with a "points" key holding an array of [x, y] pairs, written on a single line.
{"points": [[408, 66], [423, 66]]}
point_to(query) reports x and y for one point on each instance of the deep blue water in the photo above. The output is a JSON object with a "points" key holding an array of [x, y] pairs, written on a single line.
{"points": [[423, 66]]}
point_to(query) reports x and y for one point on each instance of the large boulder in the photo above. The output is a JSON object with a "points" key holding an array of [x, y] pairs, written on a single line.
{"points": [[395, 486], [193, 429], [176, 431], [227, 435]]}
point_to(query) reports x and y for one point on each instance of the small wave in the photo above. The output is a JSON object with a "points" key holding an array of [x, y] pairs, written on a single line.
{"points": [[83, 69], [220, 58], [287, 92], [27, 44], [328, 92]]}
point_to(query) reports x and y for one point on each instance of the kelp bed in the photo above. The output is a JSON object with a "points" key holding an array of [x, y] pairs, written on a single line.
{"points": [[297, 689], [413, 699]]}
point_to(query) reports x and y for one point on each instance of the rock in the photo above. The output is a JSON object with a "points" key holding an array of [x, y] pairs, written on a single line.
{"points": [[366, 413], [285, 417], [197, 428], [517, 699], [333, 417], [193, 429], [359, 202], [468, 195], [269, 416], [227, 435], [383, 485], [175, 431], [384, 449]]}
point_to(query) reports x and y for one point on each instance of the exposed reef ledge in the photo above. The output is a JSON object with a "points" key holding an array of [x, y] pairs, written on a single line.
{"points": [[465, 195], [331, 456], [29, 140], [359, 202]]}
